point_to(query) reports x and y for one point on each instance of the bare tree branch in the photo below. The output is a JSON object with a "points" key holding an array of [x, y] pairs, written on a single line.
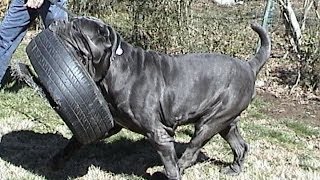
{"points": [[305, 14], [316, 7], [292, 22]]}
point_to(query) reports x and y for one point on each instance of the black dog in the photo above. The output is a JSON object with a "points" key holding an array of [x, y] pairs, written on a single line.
{"points": [[152, 93]]}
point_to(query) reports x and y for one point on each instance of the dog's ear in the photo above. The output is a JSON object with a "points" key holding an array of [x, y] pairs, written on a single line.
{"points": [[72, 38], [92, 36], [115, 43], [104, 43]]}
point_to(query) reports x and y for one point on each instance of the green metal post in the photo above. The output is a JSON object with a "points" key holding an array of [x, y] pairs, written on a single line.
{"points": [[267, 18]]}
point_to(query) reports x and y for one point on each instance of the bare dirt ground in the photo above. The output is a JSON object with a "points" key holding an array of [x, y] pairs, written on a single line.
{"points": [[291, 108]]}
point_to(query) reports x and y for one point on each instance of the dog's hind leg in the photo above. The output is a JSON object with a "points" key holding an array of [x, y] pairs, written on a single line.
{"points": [[238, 145], [204, 131]]}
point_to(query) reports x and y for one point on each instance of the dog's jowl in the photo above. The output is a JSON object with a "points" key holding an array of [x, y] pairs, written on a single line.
{"points": [[152, 93]]}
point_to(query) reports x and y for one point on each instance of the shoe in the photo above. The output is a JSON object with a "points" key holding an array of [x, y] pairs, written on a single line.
{"points": [[24, 75], [6, 78]]}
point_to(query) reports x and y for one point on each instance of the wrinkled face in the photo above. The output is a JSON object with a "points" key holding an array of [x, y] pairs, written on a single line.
{"points": [[94, 29], [91, 40]]}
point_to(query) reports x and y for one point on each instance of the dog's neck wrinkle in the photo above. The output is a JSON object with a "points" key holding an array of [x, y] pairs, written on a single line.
{"points": [[163, 65]]}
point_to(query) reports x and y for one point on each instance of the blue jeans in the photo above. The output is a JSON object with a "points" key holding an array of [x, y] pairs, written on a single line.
{"points": [[16, 23]]}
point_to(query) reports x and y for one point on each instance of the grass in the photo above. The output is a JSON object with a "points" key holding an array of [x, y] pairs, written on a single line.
{"points": [[301, 129]]}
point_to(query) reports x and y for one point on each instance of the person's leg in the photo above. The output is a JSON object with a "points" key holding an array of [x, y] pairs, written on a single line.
{"points": [[50, 12], [12, 30]]}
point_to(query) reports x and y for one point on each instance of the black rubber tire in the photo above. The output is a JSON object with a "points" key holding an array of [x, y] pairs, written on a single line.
{"points": [[78, 99]]}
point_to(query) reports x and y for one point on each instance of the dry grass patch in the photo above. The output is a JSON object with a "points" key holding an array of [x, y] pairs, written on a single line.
{"points": [[279, 148]]}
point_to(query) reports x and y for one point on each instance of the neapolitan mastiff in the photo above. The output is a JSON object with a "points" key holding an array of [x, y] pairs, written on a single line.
{"points": [[152, 93]]}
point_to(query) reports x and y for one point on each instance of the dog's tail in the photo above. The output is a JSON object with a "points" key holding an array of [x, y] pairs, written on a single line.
{"points": [[263, 53]]}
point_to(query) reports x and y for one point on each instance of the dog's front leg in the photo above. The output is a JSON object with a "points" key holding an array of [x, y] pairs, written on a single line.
{"points": [[164, 145], [59, 159]]}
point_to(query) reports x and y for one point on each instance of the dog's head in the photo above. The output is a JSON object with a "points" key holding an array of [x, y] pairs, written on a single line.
{"points": [[91, 41]]}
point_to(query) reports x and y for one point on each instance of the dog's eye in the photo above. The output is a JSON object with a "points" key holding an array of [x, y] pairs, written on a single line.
{"points": [[74, 26], [102, 31]]}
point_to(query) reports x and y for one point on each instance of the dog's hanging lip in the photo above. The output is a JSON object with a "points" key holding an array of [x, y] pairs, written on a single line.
{"points": [[119, 50]]}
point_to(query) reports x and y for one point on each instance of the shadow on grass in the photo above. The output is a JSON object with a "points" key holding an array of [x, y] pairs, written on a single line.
{"points": [[32, 150]]}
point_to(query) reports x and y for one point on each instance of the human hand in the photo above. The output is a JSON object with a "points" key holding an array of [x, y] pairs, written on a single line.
{"points": [[35, 4]]}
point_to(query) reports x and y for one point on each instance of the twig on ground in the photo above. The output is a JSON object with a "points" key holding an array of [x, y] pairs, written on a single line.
{"points": [[297, 82]]}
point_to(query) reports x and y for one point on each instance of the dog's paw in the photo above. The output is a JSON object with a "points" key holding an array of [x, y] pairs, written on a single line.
{"points": [[184, 164], [162, 176], [231, 170], [158, 176]]}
